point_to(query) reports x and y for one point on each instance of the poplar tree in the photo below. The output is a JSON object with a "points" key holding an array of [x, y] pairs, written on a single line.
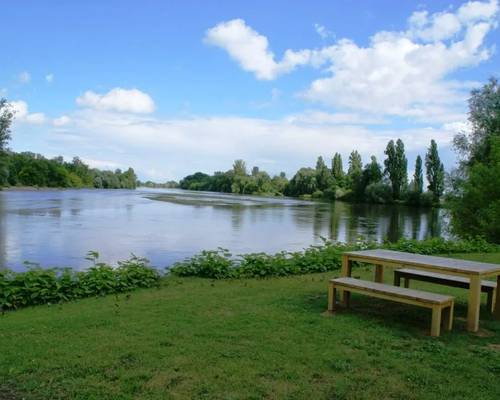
{"points": [[418, 176], [322, 174], [355, 169], [338, 169], [396, 166], [435, 171], [6, 116]]}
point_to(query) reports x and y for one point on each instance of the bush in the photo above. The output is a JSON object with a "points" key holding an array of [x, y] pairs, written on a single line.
{"points": [[220, 264], [378, 192], [49, 286]]}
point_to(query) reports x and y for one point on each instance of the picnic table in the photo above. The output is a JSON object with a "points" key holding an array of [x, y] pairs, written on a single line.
{"points": [[472, 270]]}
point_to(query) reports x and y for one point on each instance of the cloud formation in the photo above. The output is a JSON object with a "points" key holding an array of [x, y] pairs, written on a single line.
{"points": [[22, 114], [390, 76], [118, 99]]}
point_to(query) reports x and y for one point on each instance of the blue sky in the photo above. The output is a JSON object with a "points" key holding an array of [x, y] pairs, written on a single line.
{"points": [[174, 87]]}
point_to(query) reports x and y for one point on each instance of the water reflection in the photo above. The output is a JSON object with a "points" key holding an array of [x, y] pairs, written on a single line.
{"points": [[57, 228]]}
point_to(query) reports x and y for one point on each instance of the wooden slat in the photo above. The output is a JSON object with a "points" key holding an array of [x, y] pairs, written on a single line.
{"points": [[389, 257], [443, 277], [392, 291]]}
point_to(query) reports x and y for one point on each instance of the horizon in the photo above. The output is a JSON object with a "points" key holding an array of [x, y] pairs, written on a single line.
{"points": [[122, 89]]}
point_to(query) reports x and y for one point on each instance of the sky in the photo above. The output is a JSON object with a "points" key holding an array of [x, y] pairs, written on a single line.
{"points": [[171, 88]]}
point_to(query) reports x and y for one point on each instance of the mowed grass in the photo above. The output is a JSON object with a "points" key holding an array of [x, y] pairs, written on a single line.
{"points": [[246, 339]]}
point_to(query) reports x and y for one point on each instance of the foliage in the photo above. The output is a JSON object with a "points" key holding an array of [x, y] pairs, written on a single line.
{"points": [[6, 116], [51, 286], [435, 171], [396, 166], [220, 263], [338, 169], [157, 185], [418, 176], [30, 169], [475, 196], [303, 182]]}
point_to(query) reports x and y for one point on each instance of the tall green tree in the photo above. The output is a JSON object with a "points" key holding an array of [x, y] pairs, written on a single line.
{"points": [[396, 165], [354, 171], [6, 116], [240, 168], [418, 176], [338, 169], [322, 174], [434, 171]]}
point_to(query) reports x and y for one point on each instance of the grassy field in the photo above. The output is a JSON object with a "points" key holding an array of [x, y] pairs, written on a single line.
{"points": [[245, 339]]}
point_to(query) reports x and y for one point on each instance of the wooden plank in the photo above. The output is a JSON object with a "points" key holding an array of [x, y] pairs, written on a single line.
{"points": [[450, 280], [436, 321], [379, 273], [474, 304], [417, 296], [394, 258], [346, 271]]}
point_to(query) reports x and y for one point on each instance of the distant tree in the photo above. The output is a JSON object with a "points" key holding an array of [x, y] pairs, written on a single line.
{"points": [[418, 176], [255, 171], [355, 170], [323, 176], [396, 166], [240, 167], [435, 171], [303, 182], [338, 169]]}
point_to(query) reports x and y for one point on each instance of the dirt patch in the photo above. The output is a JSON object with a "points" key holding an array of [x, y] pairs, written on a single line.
{"points": [[494, 346]]}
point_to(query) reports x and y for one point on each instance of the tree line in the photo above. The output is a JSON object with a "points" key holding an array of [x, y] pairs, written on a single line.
{"points": [[372, 182], [30, 169]]}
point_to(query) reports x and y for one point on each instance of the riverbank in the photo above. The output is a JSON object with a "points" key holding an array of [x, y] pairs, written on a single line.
{"points": [[195, 338]]}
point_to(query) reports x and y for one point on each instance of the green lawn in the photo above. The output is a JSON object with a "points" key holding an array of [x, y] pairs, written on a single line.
{"points": [[246, 339]]}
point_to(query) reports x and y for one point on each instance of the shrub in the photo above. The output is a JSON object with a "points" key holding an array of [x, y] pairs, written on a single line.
{"points": [[54, 285], [378, 192], [220, 264]]}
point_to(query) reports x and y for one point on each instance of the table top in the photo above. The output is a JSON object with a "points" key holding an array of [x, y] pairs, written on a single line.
{"points": [[444, 264]]}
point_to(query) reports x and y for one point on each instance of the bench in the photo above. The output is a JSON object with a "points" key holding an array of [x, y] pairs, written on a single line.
{"points": [[439, 304], [488, 287]]}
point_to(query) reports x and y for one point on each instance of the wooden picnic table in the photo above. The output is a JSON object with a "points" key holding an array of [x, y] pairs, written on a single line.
{"points": [[472, 270]]}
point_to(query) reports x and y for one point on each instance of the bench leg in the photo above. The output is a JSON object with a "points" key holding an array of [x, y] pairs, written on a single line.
{"points": [[448, 317], [332, 297], [436, 321], [397, 278], [407, 283], [346, 271]]}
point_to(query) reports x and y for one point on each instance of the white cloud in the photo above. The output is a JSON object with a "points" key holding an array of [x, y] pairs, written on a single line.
{"points": [[251, 50], [21, 113], [398, 73], [102, 164], [24, 77], [49, 78], [163, 149], [61, 121], [323, 31], [118, 99]]}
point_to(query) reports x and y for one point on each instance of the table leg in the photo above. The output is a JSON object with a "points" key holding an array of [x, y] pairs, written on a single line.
{"points": [[474, 304], [379, 273], [496, 301], [346, 272]]}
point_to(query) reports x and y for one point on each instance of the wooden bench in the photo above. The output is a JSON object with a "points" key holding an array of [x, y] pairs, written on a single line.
{"points": [[488, 287], [436, 302]]}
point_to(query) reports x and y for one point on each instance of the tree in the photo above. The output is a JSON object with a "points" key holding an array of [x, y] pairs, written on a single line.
{"points": [[355, 170], [6, 116], [484, 118], [475, 199], [396, 166], [240, 168], [434, 171], [418, 176], [255, 171], [303, 182], [322, 174], [338, 169]]}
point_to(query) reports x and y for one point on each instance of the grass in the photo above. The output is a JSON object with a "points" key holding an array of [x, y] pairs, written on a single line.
{"points": [[245, 339]]}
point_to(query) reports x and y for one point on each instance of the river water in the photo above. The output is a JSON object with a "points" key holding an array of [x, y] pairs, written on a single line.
{"points": [[58, 227]]}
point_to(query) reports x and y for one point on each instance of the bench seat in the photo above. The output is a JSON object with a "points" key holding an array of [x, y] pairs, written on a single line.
{"points": [[488, 287], [436, 302]]}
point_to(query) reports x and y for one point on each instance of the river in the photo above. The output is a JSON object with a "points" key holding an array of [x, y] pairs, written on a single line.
{"points": [[58, 227]]}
